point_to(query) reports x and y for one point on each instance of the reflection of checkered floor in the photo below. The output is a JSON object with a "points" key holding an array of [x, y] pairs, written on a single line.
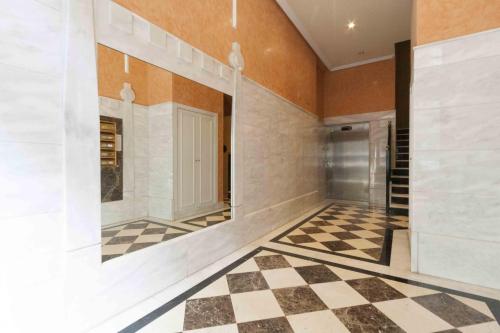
{"points": [[347, 230], [210, 220], [134, 236], [274, 291]]}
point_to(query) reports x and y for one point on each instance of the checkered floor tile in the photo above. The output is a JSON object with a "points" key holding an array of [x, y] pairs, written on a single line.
{"points": [[274, 291], [130, 237], [209, 220], [133, 236], [347, 230]]}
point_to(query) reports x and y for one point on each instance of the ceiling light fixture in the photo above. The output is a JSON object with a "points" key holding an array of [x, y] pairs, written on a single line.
{"points": [[351, 25]]}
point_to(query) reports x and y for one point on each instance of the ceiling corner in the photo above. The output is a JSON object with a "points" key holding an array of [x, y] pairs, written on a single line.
{"points": [[285, 6]]}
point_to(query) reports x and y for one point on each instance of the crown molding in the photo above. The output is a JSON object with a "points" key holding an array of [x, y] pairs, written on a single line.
{"points": [[363, 62]]}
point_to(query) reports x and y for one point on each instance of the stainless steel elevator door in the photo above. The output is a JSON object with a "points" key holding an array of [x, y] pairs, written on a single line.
{"points": [[350, 162]]}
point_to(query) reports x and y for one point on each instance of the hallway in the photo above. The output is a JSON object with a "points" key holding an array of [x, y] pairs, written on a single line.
{"points": [[275, 286]]}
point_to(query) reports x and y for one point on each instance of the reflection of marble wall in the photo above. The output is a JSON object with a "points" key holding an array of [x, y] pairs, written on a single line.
{"points": [[455, 159], [161, 152]]}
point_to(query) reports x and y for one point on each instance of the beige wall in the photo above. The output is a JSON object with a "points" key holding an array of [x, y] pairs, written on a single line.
{"points": [[275, 53], [361, 89], [443, 19]]}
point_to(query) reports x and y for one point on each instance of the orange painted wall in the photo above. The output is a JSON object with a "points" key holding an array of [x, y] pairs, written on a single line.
{"points": [[442, 19], [151, 84], [275, 53], [361, 89]]}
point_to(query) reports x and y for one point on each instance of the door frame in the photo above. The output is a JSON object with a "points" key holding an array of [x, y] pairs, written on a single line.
{"points": [[177, 213]]}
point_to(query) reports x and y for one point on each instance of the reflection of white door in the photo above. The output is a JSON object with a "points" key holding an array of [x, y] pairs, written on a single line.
{"points": [[196, 188]]}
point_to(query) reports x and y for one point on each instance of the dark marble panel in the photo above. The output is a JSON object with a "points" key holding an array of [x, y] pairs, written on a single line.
{"points": [[271, 262], [109, 233], [298, 300], [208, 312], [141, 225], [278, 325], [298, 239], [451, 310], [139, 246], [375, 290], [312, 230], [338, 246], [317, 274], [375, 252], [365, 319], [171, 236], [154, 231], [122, 240], [379, 240], [244, 282], [112, 176], [320, 223], [327, 217], [345, 235], [351, 227]]}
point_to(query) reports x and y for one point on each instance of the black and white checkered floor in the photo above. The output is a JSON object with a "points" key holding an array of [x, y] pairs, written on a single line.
{"points": [[133, 236], [275, 291], [347, 230]]}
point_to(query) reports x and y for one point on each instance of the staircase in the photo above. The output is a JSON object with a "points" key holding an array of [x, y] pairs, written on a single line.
{"points": [[399, 177]]}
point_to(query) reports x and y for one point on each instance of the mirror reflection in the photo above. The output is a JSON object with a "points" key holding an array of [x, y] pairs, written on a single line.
{"points": [[165, 154]]}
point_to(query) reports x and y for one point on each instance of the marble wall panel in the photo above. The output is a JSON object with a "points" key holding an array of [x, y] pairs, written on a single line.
{"points": [[455, 161]]}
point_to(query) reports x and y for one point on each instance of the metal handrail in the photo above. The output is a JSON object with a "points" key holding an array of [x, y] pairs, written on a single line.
{"points": [[388, 168]]}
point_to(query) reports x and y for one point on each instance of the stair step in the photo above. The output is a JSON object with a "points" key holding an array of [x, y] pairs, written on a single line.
{"points": [[399, 195], [403, 142], [399, 180], [399, 200], [402, 164], [398, 211], [402, 149], [400, 190], [403, 131], [400, 172], [402, 156]]}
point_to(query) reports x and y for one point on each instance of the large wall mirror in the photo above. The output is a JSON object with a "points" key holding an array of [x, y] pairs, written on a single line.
{"points": [[165, 154]]}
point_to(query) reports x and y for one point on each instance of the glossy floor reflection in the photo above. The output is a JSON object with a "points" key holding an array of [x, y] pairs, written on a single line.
{"points": [[275, 291]]}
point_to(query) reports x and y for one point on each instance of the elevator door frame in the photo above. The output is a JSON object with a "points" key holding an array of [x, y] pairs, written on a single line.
{"points": [[349, 161]]}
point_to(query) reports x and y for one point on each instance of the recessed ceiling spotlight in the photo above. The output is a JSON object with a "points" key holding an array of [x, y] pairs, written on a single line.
{"points": [[351, 25]]}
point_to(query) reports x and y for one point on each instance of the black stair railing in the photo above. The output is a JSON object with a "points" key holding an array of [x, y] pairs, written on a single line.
{"points": [[388, 169]]}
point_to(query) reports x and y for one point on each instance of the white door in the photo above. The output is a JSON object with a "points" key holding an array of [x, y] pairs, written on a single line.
{"points": [[206, 162], [186, 155], [196, 162]]}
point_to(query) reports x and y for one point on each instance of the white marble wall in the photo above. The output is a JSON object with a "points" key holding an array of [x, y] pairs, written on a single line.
{"points": [[104, 290], [455, 159], [161, 152], [135, 161], [31, 169]]}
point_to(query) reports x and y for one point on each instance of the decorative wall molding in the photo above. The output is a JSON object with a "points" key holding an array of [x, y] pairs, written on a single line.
{"points": [[127, 93], [361, 117], [127, 32]]}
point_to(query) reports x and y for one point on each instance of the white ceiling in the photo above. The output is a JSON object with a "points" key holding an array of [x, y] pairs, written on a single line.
{"points": [[323, 23]]}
